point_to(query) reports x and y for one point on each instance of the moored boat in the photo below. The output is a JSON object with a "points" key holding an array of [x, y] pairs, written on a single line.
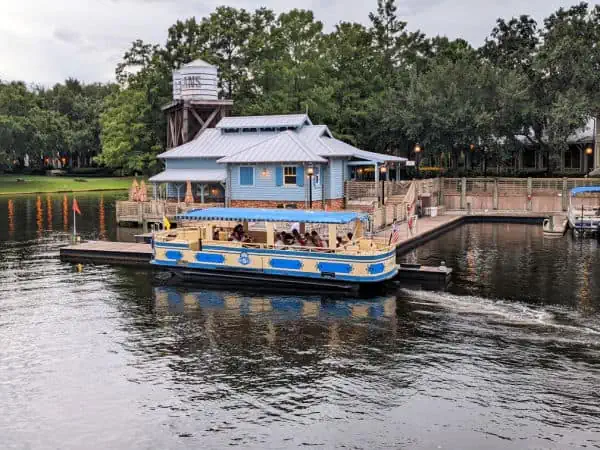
{"points": [[253, 246], [584, 210]]}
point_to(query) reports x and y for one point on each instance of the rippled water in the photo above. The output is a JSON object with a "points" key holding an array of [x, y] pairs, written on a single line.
{"points": [[508, 358]]}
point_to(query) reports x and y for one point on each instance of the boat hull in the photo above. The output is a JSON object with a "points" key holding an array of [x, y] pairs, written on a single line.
{"points": [[285, 267]]}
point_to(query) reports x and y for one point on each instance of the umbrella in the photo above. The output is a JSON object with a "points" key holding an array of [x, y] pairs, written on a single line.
{"points": [[189, 197], [143, 197], [133, 191]]}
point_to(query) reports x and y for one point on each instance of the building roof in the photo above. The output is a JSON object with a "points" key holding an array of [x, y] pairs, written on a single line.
{"points": [[282, 147], [272, 215], [312, 142], [274, 121], [196, 175], [198, 63]]}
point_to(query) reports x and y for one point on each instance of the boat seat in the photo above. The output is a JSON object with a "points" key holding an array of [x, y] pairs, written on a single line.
{"points": [[365, 245]]}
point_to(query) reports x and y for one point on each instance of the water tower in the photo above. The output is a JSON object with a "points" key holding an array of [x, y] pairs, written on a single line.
{"points": [[196, 105]]}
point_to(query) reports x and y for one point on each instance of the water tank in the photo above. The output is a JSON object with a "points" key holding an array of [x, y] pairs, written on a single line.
{"points": [[198, 81], [177, 81]]}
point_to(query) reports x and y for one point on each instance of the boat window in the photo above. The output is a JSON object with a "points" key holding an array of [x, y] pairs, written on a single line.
{"points": [[246, 176], [289, 175]]}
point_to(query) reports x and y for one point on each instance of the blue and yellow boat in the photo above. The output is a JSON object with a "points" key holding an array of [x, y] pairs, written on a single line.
{"points": [[202, 249]]}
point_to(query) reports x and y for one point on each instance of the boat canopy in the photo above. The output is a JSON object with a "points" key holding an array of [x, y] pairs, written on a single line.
{"points": [[584, 189], [272, 215]]}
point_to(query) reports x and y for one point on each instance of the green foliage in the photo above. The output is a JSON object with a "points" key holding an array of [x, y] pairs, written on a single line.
{"points": [[126, 140], [379, 87]]}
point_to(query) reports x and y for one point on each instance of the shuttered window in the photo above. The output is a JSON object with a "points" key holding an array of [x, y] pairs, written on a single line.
{"points": [[289, 175], [246, 176]]}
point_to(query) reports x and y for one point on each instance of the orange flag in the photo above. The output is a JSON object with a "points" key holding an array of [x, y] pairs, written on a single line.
{"points": [[76, 207]]}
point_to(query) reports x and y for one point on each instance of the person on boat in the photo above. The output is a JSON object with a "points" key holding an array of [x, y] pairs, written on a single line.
{"points": [[350, 235], [237, 235], [288, 239], [216, 234], [279, 240], [298, 239], [295, 226], [316, 239], [307, 240], [340, 242]]}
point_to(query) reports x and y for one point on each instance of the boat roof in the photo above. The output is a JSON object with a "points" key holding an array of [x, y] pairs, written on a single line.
{"points": [[272, 215], [584, 189]]}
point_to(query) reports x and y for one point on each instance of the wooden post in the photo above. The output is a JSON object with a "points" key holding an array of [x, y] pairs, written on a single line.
{"points": [[185, 124], [529, 194], [495, 194], [270, 234], [463, 193], [332, 236], [377, 185], [565, 195]]}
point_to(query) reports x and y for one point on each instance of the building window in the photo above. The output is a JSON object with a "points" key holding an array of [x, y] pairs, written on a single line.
{"points": [[317, 176], [289, 175], [246, 176]]}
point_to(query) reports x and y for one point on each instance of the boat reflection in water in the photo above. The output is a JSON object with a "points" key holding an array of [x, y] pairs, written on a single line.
{"points": [[179, 300]]}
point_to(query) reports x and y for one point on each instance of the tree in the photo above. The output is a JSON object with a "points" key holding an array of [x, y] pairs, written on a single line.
{"points": [[126, 142]]}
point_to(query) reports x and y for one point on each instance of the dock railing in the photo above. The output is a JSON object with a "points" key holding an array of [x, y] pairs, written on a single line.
{"points": [[154, 210]]}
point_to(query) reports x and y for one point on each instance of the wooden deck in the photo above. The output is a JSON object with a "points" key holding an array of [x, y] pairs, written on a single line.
{"points": [[106, 252]]}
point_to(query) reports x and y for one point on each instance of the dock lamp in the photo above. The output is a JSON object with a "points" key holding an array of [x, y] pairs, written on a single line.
{"points": [[310, 172], [589, 150], [383, 171], [417, 150]]}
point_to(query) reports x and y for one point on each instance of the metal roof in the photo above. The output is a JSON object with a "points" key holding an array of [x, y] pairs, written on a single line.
{"points": [[213, 143], [177, 175], [198, 63], [311, 141], [275, 121], [282, 147], [272, 215], [584, 189]]}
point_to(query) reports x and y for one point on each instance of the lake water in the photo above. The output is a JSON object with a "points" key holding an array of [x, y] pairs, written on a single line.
{"points": [[508, 358]]}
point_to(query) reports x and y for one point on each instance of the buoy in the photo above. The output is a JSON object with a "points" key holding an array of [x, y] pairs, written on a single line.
{"points": [[80, 268]]}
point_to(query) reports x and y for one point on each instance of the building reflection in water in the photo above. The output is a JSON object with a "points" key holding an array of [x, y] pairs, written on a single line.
{"points": [[49, 211], [101, 219], [65, 213], [39, 218]]}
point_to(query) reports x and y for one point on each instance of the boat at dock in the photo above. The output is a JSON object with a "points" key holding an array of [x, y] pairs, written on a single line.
{"points": [[203, 249], [555, 226], [584, 211]]}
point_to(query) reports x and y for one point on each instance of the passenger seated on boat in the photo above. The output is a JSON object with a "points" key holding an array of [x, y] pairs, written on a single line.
{"points": [[316, 239], [350, 235], [308, 240], [298, 239], [216, 234], [279, 240], [288, 239], [339, 241]]}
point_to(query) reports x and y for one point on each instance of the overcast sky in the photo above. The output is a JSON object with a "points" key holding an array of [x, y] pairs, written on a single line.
{"points": [[46, 41]]}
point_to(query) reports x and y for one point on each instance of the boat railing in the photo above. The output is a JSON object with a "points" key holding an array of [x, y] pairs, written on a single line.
{"points": [[360, 247]]}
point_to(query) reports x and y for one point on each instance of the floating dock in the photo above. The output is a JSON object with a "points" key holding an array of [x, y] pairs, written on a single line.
{"points": [[139, 255]]}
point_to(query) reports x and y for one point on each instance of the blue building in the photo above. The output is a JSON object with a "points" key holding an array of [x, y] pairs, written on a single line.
{"points": [[253, 161], [267, 161]]}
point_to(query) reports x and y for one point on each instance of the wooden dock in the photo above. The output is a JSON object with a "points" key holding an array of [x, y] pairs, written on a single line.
{"points": [[139, 255], [105, 252]]}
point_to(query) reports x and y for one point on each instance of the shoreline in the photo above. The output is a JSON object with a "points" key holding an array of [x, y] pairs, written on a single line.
{"points": [[64, 191]]}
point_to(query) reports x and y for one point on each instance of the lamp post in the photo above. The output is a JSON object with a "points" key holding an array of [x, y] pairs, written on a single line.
{"points": [[418, 157], [383, 171], [310, 172]]}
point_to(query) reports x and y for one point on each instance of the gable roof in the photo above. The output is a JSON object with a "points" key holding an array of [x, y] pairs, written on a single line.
{"points": [[311, 142], [282, 147], [274, 121]]}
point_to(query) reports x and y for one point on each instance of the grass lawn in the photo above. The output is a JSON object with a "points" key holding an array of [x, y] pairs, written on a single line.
{"points": [[36, 183]]}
